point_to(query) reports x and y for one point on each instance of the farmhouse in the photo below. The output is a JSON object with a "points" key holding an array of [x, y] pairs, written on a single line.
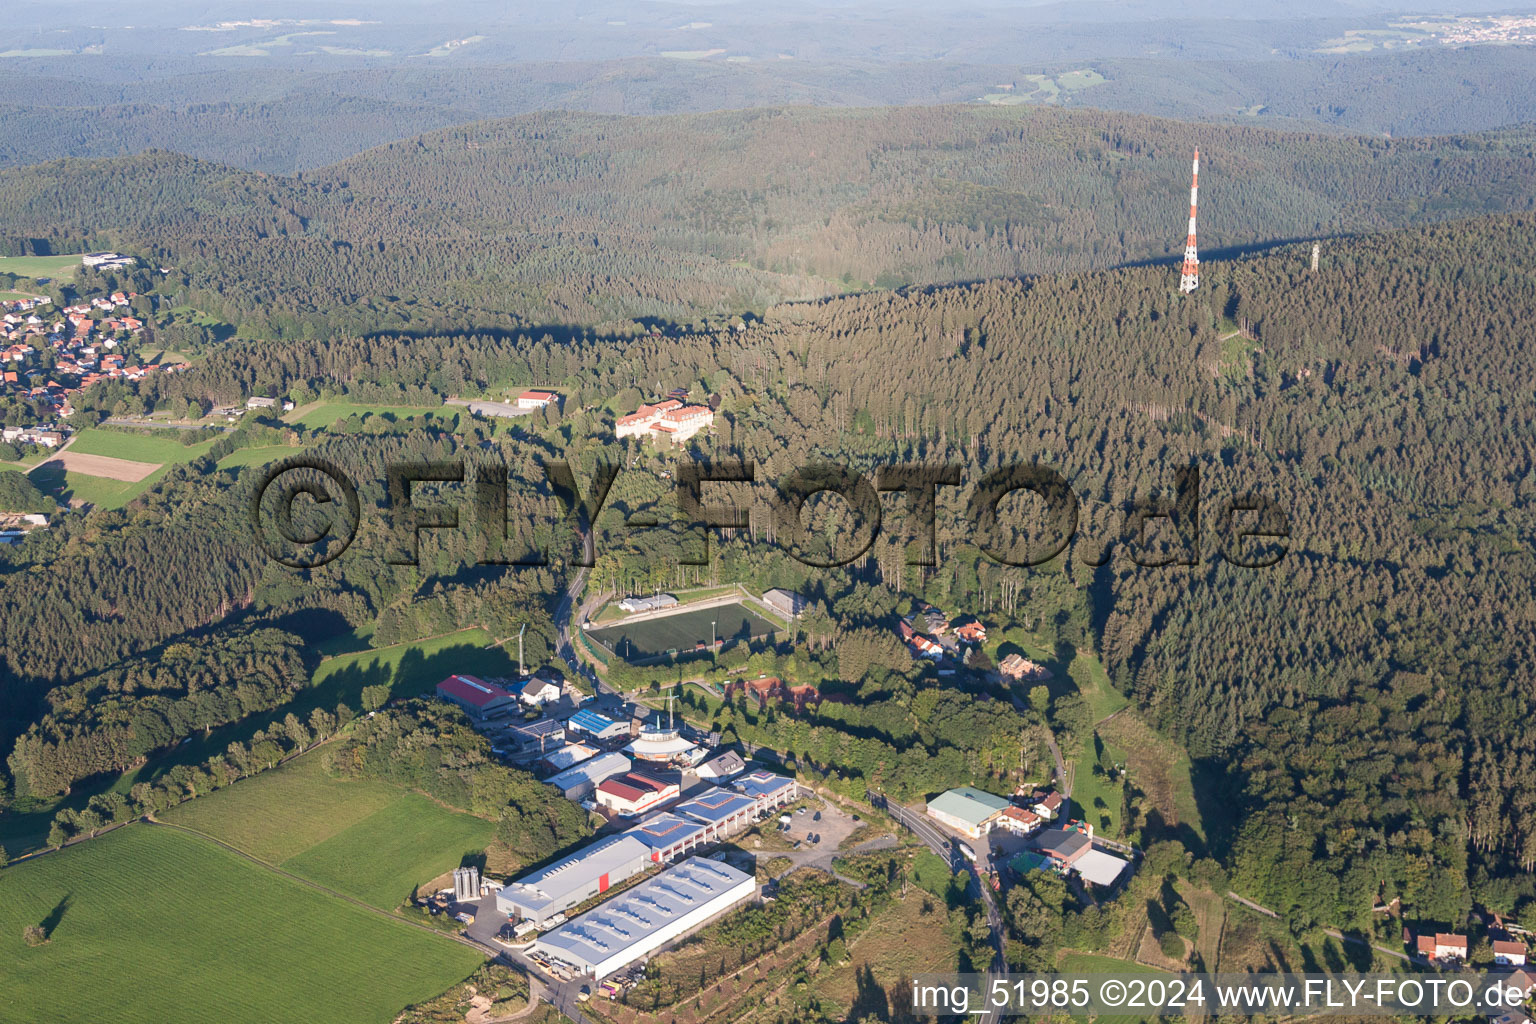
{"points": [[630, 927], [630, 794], [478, 698], [1047, 805], [577, 878], [578, 783]]}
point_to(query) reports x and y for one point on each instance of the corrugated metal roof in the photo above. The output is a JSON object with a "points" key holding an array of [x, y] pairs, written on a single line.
{"points": [[628, 920], [595, 770], [969, 804]]}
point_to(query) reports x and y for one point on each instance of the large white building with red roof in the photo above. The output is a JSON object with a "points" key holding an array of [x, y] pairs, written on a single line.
{"points": [[670, 420]]}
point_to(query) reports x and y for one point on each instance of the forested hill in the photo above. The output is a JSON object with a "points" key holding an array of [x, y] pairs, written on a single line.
{"points": [[580, 218], [306, 114], [1361, 705]]}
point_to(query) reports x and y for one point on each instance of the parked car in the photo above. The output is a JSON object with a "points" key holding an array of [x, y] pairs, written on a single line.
{"points": [[816, 816]]}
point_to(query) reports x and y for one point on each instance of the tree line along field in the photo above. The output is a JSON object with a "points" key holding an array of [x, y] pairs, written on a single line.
{"points": [[323, 415], [141, 919], [408, 669], [367, 839]]}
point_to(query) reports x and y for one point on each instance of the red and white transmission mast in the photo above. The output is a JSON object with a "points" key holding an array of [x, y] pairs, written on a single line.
{"points": [[1189, 276]]}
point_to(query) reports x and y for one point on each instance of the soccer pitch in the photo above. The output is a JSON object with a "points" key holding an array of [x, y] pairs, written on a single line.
{"points": [[639, 641]]}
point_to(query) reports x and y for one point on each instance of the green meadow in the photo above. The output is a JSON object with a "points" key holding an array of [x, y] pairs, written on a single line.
{"points": [[367, 839], [60, 267], [137, 447], [149, 924]]}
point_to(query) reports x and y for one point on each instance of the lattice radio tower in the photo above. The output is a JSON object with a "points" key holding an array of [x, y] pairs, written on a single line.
{"points": [[1189, 275]]}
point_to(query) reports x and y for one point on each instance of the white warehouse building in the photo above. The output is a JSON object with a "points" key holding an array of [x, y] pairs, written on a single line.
{"points": [[587, 873], [632, 926]]}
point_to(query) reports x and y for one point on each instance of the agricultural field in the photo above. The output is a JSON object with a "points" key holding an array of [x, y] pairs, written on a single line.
{"points": [[1044, 88], [405, 844], [24, 465], [139, 920], [364, 838], [1082, 78], [283, 812], [140, 463], [1098, 798], [169, 357], [414, 668], [1161, 770], [61, 268], [1078, 965], [137, 447], [648, 638], [68, 487]]}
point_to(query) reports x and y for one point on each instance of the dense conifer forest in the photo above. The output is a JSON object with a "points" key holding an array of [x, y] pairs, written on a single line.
{"points": [[578, 219], [975, 286]]}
